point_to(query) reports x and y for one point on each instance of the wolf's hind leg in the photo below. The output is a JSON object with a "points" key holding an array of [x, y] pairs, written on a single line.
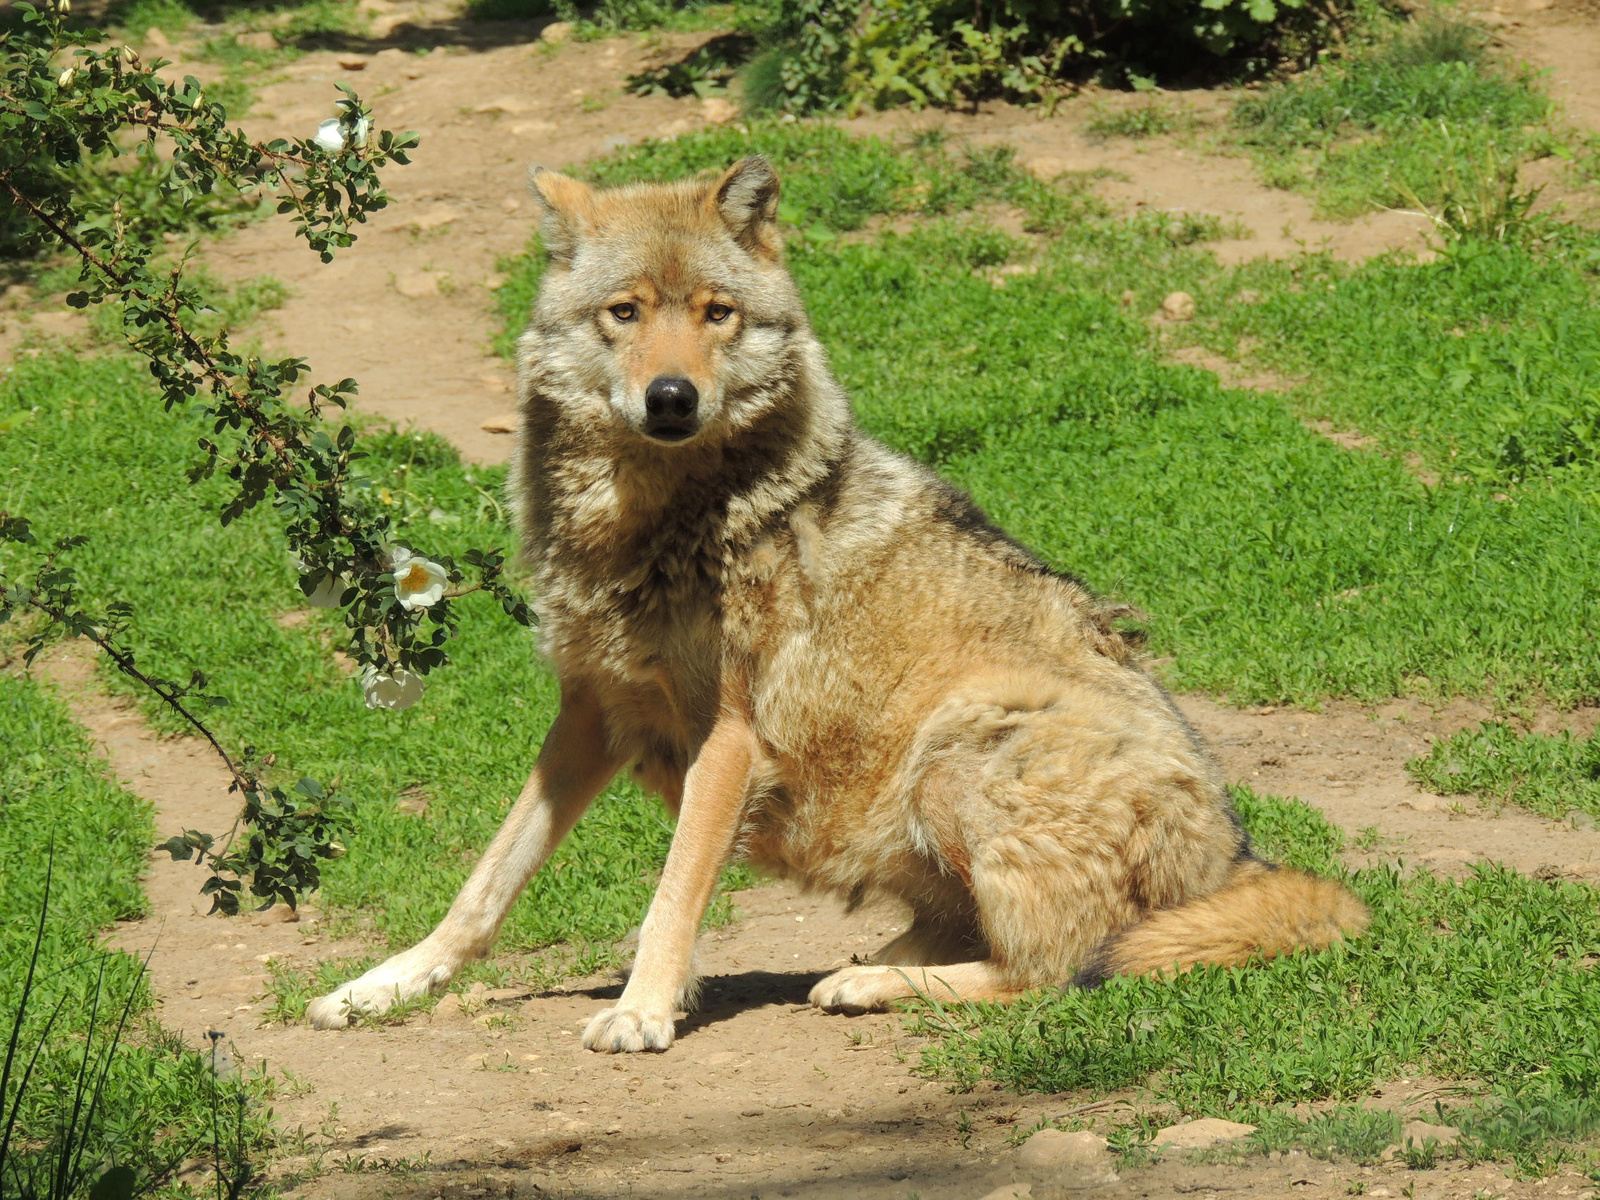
{"points": [[574, 764], [940, 933], [1049, 888]]}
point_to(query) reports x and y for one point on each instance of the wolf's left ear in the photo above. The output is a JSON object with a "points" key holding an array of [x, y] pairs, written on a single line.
{"points": [[565, 201], [747, 199]]}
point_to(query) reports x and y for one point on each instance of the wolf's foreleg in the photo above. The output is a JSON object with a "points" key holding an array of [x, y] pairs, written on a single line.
{"points": [[714, 791], [574, 764]]}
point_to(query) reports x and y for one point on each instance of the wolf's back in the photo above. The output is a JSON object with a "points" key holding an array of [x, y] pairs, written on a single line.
{"points": [[1261, 912]]}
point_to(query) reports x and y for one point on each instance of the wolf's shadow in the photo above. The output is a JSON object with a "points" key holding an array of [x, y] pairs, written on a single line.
{"points": [[723, 996]]}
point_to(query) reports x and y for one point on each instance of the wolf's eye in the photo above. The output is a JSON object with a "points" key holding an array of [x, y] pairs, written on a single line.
{"points": [[624, 312], [718, 313]]}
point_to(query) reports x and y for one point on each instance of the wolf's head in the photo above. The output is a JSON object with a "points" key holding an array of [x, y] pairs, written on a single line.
{"points": [[667, 311]]}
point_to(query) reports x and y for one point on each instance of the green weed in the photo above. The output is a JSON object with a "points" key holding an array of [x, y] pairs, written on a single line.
{"points": [[1153, 118], [1485, 365], [1390, 125], [1346, 1132], [1552, 774]]}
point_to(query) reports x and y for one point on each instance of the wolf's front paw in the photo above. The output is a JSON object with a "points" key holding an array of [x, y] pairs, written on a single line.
{"points": [[627, 1030], [403, 977], [859, 989]]}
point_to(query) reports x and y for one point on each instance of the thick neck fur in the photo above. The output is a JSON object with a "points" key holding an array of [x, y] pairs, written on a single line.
{"points": [[605, 503]]}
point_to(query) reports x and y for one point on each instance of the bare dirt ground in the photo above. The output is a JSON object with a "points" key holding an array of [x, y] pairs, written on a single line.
{"points": [[492, 1095]]}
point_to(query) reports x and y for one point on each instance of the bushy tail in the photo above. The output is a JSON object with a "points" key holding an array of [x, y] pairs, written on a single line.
{"points": [[1262, 911]]}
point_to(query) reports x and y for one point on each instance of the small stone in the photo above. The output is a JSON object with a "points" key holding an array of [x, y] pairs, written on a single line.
{"points": [[1583, 870], [556, 32], [505, 104], [1418, 1133], [1178, 306], [494, 281], [504, 423], [417, 285], [1197, 1135], [723, 1058], [353, 62], [437, 216], [1579, 819], [1247, 296], [717, 110], [448, 1006], [1056, 1148], [510, 204], [1011, 1191], [501, 995]]}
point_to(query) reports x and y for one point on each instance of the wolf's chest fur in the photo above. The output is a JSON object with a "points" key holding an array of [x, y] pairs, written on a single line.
{"points": [[659, 607]]}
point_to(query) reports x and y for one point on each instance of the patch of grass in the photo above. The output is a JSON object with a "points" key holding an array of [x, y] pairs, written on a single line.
{"points": [[1152, 118], [1387, 126], [1481, 980], [835, 182], [1551, 774], [139, 17], [1346, 1132], [1484, 365], [56, 802]]}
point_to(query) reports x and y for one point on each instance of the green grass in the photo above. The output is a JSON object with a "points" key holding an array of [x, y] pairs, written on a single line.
{"points": [[1152, 118], [55, 800], [1551, 774], [1484, 981], [1390, 125], [1486, 364]]}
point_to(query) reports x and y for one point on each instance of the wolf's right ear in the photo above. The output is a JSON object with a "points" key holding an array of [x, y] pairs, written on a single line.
{"points": [[566, 204], [746, 197]]}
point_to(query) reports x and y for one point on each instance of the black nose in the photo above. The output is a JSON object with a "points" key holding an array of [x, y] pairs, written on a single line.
{"points": [[669, 404], [670, 398]]}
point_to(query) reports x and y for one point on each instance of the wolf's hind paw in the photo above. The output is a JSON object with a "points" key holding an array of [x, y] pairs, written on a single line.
{"points": [[859, 989], [628, 1030]]}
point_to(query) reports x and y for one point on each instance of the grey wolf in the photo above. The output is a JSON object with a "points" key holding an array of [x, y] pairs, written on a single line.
{"points": [[824, 658]]}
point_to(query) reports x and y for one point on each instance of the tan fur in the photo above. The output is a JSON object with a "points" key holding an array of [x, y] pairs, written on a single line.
{"points": [[825, 658], [1260, 913]]}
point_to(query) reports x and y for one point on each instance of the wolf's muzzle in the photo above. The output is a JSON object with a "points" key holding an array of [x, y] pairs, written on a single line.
{"points": [[669, 406]]}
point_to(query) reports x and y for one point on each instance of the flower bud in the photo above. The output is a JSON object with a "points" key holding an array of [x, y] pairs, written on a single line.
{"points": [[63, 6], [65, 78]]}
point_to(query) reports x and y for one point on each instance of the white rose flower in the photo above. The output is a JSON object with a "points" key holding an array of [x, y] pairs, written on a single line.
{"points": [[418, 582], [331, 138], [392, 690], [327, 592]]}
